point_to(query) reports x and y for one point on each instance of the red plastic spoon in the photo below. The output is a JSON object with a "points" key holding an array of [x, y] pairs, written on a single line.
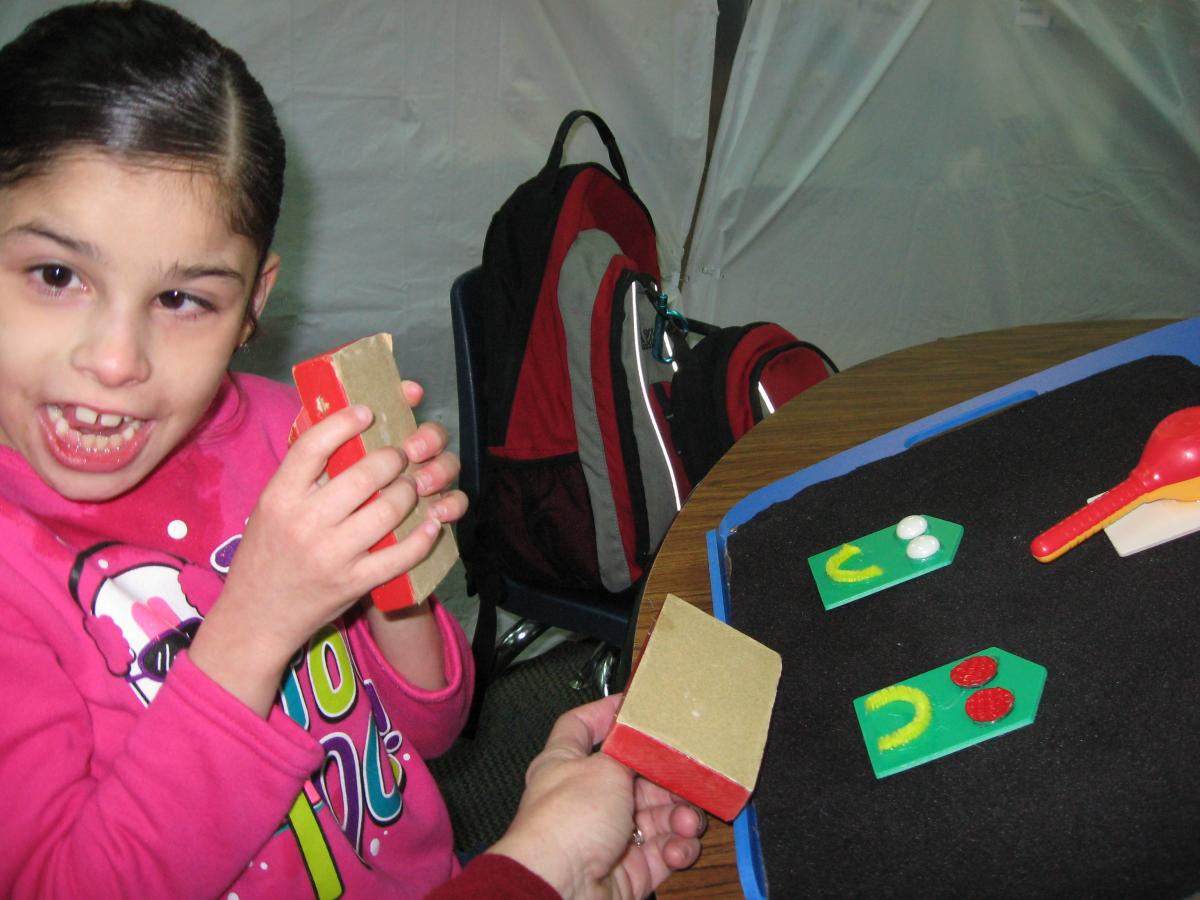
{"points": [[1168, 470]]}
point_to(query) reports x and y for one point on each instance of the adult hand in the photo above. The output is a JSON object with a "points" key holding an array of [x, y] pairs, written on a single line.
{"points": [[576, 819]]}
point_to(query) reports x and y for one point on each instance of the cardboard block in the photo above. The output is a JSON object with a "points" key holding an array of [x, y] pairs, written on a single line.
{"points": [[364, 371], [697, 708]]}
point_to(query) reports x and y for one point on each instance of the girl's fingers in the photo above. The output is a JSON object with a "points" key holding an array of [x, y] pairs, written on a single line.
{"points": [[429, 440], [306, 460], [384, 564], [450, 507], [437, 475], [412, 391], [388, 506], [345, 549], [371, 511], [376, 473], [340, 519]]}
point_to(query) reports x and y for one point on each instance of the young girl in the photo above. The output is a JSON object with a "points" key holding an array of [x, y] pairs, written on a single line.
{"points": [[197, 703]]}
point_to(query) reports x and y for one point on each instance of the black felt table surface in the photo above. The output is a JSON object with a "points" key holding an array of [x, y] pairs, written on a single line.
{"points": [[1100, 796]]}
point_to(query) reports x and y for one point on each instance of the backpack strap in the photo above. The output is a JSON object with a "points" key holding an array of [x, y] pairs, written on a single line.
{"points": [[606, 135]]}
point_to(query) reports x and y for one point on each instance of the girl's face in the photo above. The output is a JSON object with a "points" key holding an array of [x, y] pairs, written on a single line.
{"points": [[123, 294]]}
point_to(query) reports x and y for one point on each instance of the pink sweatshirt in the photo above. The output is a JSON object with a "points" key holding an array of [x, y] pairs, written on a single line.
{"points": [[122, 781]]}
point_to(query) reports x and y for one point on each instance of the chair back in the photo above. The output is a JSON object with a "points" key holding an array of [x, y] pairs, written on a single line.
{"points": [[467, 326], [609, 617]]}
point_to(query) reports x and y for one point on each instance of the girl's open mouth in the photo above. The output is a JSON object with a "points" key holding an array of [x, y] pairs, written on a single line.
{"points": [[85, 439]]}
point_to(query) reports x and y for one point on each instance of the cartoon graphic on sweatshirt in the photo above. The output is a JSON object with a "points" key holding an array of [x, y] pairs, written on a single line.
{"points": [[142, 607], [137, 611]]}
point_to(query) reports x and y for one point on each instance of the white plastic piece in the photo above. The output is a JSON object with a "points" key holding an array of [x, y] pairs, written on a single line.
{"points": [[923, 546], [911, 527], [1153, 524]]}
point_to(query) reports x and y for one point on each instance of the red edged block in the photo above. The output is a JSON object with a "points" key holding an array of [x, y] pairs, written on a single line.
{"points": [[678, 773], [697, 708], [364, 371]]}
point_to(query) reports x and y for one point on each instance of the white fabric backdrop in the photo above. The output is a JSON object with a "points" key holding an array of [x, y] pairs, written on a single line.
{"points": [[410, 121], [886, 173]]}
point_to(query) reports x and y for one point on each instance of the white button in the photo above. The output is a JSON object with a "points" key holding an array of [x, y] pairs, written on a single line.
{"points": [[922, 547], [910, 527]]}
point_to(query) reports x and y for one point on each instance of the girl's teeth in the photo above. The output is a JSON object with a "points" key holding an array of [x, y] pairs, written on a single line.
{"points": [[87, 416]]}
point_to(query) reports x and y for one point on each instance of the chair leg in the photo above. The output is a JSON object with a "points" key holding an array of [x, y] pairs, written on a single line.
{"points": [[483, 648], [492, 657], [597, 670], [516, 639], [604, 672]]}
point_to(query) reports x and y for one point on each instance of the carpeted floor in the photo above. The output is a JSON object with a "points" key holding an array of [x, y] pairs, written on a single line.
{"points": [[482, 777]]}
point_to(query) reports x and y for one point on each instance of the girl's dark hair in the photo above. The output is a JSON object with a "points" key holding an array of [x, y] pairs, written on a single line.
{"points": [[140, 81]]}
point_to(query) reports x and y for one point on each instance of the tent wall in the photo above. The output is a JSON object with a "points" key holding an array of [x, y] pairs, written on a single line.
{"points": [[410, 121], [884, 172]]}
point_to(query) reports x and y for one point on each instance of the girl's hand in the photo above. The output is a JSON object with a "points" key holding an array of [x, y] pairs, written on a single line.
{"points": [[409, 639], [432, 467], [305, 555]]}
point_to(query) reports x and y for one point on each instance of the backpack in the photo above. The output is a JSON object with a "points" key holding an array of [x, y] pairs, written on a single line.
{"points": [[600, 415], [581, 480], [731, 380]]}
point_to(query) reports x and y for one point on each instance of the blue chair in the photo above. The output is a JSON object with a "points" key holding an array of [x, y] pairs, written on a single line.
{"points": [[607, 618]]}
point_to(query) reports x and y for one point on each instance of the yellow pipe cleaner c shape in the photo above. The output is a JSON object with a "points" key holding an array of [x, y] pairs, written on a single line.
{"points": [[922, 713], [833, 567]]}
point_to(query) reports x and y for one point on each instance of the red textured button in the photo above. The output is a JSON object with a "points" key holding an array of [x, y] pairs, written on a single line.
{"points": [[990, 704], [974, 671]]}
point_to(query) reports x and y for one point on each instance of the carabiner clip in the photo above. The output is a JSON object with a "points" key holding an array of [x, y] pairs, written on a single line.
{"points": [[662, 314]]}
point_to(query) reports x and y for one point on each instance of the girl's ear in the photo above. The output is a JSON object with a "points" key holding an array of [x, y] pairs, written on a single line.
{"points": [[262, 290]]}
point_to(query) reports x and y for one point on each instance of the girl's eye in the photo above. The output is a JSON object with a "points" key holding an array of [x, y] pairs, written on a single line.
{"points": [[56, 277], [181, 301]]}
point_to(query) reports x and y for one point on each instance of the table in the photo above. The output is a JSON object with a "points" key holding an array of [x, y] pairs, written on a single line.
{"points": [[858, 404]]}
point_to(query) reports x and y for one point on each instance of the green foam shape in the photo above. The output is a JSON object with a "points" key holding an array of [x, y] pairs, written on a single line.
{"points": [[882, 548], [950, 728]]}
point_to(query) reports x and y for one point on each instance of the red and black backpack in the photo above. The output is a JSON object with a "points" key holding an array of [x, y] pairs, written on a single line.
{"points": [[731, 380], [588, 453], [581, 483]]}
